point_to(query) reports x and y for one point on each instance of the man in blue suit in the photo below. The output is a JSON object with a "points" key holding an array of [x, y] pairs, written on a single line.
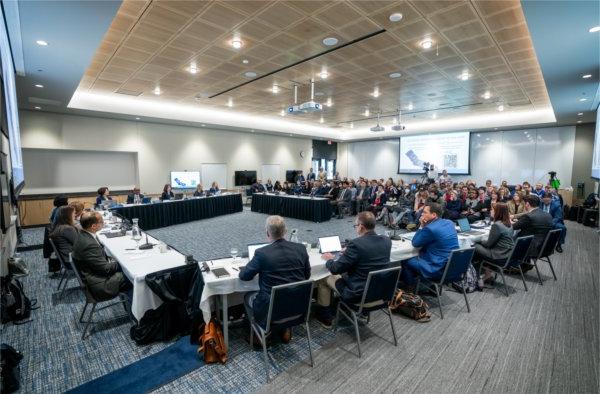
{"points": [[437, 238], [552, 206], [278, 263]]}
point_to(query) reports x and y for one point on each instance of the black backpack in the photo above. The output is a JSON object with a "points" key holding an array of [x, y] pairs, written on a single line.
{"points": [[15, 305], [9, 368], [590, 201]]}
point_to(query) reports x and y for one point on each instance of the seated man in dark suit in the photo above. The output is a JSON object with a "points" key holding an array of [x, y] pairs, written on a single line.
{"points": [[343, 200], [552, 206], [368, 252], [362, 197], [135, 196], [535, 222], [437, 238], [101, 276], [258, 187], [279, 263]]}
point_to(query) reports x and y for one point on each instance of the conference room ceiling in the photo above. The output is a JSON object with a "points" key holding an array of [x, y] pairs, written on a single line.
{"points": [[153, 44]]}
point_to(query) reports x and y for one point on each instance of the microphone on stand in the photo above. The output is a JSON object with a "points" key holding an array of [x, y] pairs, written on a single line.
{"points": [[147, 245]]}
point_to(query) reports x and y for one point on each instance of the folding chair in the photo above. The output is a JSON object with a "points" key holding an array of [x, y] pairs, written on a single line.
{"points": [[289, 307], [65, 269], [454, 271], [514, 260], [546, 251], [379, 291]]}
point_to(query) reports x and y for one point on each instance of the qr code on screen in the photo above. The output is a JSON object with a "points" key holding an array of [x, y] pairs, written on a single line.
{"points": [[449, 161]]}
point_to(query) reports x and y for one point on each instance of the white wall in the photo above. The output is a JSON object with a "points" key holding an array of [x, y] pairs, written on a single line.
{"points": [[499, 155], [162, 148]]}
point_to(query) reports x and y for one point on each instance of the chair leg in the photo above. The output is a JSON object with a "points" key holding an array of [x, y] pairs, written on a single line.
{"points": [[392, 324], [504, 281], [87, 325], [62, 292], [62, 277], [312, 363], [265, 355], [523, 278], [466, 299], [355, 321], [538, 272], [83, 312], [551, 268], [337, 318], [438, 293]]}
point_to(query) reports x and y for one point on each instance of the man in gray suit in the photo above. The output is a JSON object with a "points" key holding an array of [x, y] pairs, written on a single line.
{"points": [[343, 200], [101, 275]]}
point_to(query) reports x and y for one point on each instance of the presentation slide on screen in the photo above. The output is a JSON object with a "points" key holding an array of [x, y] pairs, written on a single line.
{"points": [[596, 160], [185, 179], [448, 151]]}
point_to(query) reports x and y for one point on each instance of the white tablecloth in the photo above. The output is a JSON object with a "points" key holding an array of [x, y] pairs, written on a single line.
{"points": [[301, 197], [136, 264]]}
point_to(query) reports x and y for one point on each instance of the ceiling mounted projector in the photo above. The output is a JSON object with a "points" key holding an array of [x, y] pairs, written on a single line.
{"points": [[307, 107], [398, 126], [378, 127]]}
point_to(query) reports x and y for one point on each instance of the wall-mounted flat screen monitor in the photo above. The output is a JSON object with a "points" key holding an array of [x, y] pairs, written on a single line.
{"points": [[245, 178], [185, 179]]}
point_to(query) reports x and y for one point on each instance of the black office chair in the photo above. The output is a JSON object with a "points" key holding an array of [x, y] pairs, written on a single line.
{"points": [[454, 271], [289, 307], [66, 271], [546, 251], [90, 299], [514, 260], [379, 291]]}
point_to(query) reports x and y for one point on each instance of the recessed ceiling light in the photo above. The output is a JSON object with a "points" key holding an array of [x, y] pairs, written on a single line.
{"points": [[137, 118], [42, 43], [157, 91], [478, 135], [579, 121], [324, 74], [367, 112], [250, 74], [319, 94], [375, 92], [37, 85], [434, 116], [487, 95], [580, 114], [275, 88], [495, 128], [426, 43], [37, 107], [582, 99], [321, 120], [330, 41], [230, 102], [410, 107], [395, 75], [290, 135], [236, 43], [252, 131], [501, 108], [396, 17], [351, 125], [193, 68], [586, 76], [329, 103], [464, 76], [203, 125], [282, 113], [594, 29], [245, 61]]}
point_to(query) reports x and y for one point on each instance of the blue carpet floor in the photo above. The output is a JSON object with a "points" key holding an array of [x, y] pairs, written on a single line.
{"points": [[56, 359]]}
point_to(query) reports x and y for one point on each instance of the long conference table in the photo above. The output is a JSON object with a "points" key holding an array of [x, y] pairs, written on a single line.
{"points": [[168, 213], [314, 209]]}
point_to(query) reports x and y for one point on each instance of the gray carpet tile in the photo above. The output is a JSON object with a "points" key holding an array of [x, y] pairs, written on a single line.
{"points": [[33, 236], [544, 340]]}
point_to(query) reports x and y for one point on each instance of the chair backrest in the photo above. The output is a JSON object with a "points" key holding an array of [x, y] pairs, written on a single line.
{"points": [[519, 251], [290, 304], [380, 286], [457, 265], [550, 243], [57, 254]]}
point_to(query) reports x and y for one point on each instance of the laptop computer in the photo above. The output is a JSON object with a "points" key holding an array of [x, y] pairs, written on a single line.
{"points": [[465, 227], [330, 244], [252, 249]]}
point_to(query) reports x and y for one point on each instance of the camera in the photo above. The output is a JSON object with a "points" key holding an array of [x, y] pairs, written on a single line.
{"points": [[426, 166]]}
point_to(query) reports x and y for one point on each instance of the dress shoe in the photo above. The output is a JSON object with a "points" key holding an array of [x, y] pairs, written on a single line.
{"points": [[325, 321], [559, 249], [286, 335]]}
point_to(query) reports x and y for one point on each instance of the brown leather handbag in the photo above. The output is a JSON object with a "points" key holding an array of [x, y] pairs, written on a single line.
{"points": [[212, 343]]}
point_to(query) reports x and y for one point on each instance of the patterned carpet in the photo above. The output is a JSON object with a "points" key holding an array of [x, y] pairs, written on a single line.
{"points": [[56, 359]]}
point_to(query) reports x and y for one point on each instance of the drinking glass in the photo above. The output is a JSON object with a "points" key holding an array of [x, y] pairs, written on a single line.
{"points": [[234, 253]]}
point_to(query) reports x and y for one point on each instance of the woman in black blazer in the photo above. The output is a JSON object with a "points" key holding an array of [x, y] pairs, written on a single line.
{"points": [[64, 234], [103, 195], [199, 192], [167, 194]]}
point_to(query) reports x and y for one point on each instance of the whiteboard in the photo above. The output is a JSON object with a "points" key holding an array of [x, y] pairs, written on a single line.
{"points": [[270, 171], [65, 171], [214, 172]]}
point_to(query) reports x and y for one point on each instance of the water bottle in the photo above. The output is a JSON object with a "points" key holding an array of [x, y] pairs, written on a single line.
{"points": [[136, 233], [294, 236]]}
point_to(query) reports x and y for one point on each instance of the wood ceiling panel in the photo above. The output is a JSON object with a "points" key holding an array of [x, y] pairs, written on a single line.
{"points": [[152, 44]]}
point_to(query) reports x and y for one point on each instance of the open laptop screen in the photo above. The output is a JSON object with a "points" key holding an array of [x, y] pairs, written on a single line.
{"points": [[464, 225], [252, 249], [330, 244]]}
